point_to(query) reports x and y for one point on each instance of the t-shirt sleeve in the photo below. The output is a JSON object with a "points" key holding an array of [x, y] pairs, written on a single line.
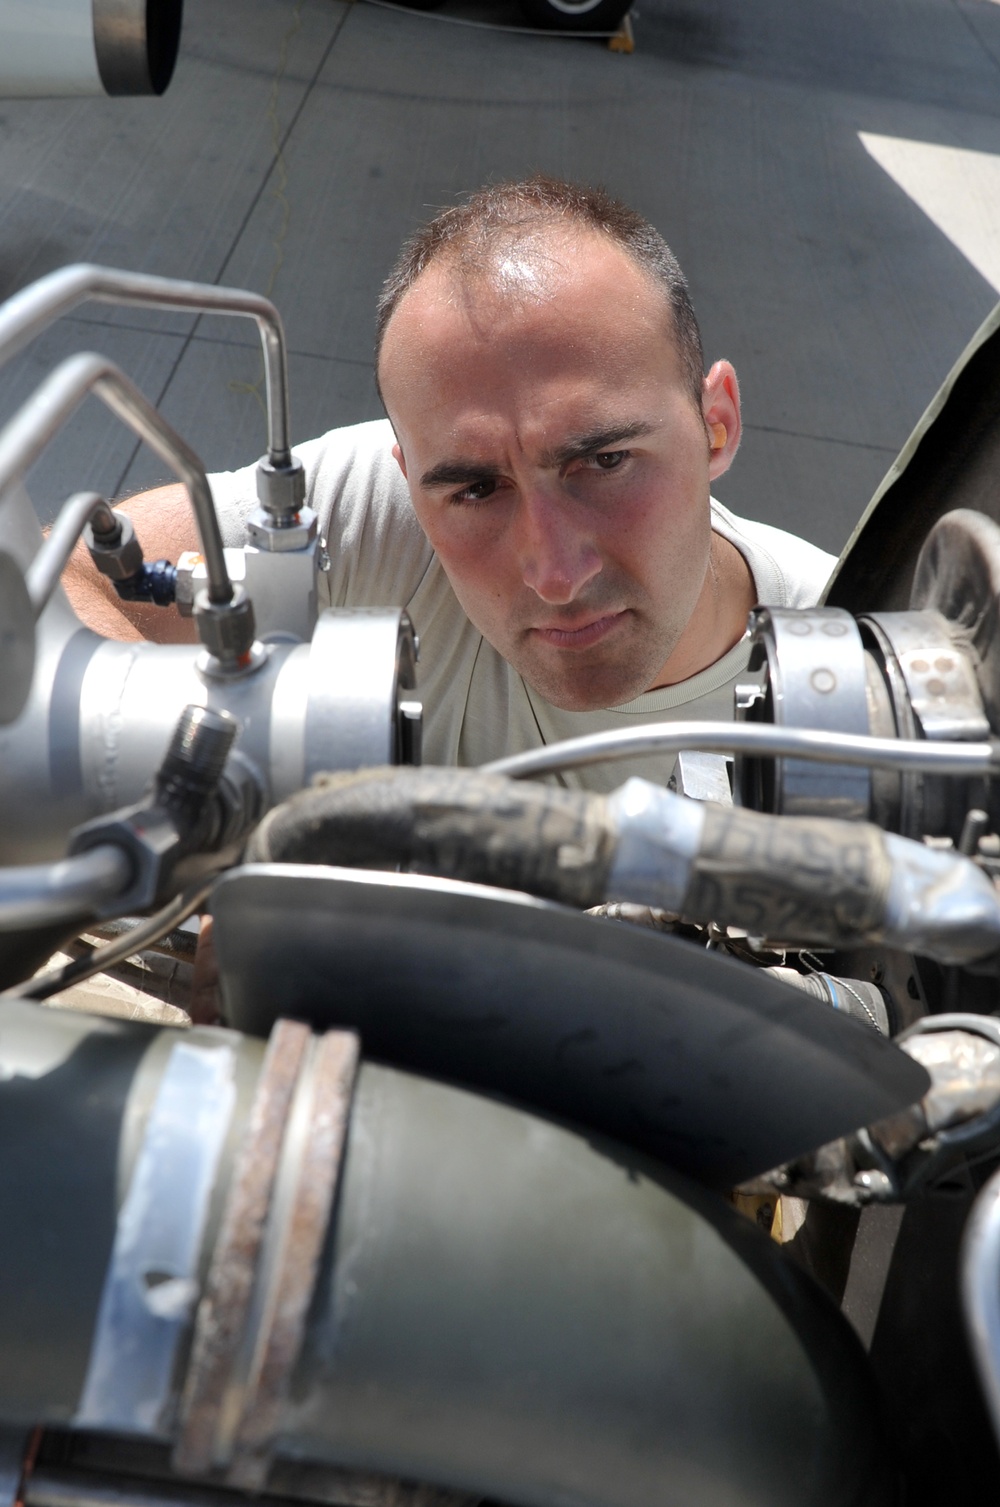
{"points": [[378, 552]]}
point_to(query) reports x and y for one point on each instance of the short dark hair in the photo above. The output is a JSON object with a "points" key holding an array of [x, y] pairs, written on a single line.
{"points": [[490, 217]]}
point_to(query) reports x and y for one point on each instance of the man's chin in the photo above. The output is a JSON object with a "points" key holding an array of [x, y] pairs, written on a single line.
{"points": [[584, 688]]}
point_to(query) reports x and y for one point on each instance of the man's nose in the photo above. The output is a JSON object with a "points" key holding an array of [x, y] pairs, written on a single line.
{"points": [[558, 556]]}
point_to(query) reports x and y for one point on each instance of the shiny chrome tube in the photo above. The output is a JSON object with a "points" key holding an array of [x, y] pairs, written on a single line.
{"points": [[48, 894], [34, 308], [67, 48], [24, 438], [980, 1275], [759, 740], [43, 574]]}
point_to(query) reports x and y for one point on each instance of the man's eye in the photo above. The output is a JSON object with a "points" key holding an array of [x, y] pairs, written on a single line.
{"points": [[608, 460], [476, 491]]}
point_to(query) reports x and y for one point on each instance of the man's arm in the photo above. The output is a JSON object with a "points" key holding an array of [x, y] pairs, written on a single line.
{"points": [[165, 526]]}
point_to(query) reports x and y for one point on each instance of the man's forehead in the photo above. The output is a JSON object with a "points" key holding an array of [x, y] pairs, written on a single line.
{"points": [[549, 271]]}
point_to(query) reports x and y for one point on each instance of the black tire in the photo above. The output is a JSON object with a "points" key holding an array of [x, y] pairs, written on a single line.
{"points": [[575, 15]]}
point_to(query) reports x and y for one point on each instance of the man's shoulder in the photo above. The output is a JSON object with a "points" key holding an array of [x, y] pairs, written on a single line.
{"points": [[788, 571], [353, 465]]}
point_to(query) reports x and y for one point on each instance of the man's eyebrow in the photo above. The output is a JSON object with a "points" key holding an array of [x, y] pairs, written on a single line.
{"points": [[467, 473], [458, 473], [596, 441]]}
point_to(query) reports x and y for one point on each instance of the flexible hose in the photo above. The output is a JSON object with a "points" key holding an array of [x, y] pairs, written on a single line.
{"points": [[457, 823]]}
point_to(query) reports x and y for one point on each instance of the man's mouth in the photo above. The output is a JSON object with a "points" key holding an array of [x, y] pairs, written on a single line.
{"points": [[582, 637]]}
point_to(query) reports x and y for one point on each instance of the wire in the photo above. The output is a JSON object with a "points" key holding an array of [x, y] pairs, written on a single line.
{"points": [[133, 941], [517, 31], [753, 740]]}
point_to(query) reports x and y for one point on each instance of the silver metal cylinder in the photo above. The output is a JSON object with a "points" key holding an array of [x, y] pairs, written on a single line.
{"points": [[61, 48], [100, 714]]}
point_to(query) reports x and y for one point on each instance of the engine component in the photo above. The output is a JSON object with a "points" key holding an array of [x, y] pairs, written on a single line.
{"points": [[796, 883], [860, 998], [930, 673], [687, 1055], [103, 712], [65, 894], [470, 1245], [71, 47], [196, 815], [17, 640], [458, 823], [906, 755], [99, 716], [900, 1157]]}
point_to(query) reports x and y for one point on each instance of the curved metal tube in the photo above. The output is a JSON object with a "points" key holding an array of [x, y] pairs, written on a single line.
{"points": [[750, 738], [42, 576], [47, 894], [34, 308], [24, 438], [980, 1276], [136, 939]]}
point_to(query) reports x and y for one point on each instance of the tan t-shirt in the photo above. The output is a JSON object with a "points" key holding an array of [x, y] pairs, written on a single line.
{"points": [[476, 707]]}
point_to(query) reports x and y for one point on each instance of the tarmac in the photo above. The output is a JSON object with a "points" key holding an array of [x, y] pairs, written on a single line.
{"points": [[828, 174]]}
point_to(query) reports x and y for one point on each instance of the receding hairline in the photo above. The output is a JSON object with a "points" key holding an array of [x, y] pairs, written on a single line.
{"points": [[497, 219], [485, 274]]}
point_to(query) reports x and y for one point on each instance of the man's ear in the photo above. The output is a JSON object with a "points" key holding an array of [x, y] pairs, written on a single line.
{"points": [[720, 404], [400, 457]]}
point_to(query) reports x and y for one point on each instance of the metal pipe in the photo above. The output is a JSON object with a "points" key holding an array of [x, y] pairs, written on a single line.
{"points": [[24, 438], [42, 576], [34, 308], [137, 940], [47, 894], [517, 1352], [967, 759], [980, 1281]]}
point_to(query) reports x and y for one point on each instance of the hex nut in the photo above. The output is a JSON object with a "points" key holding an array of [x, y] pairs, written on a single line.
{"points": [[116, 561], [226, 629], [268, 536], [281, 489]]}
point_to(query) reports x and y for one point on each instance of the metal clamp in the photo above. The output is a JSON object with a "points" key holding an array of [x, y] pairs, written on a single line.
{"points": [[251, 1319], [152, 1280], [937, 674], [815, 678]]}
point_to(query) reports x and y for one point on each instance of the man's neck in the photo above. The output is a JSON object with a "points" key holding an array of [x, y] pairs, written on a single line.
{"points": [[719, 619]]}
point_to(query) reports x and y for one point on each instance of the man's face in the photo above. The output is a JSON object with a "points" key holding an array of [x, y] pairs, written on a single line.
{"points": [[558, 464]]}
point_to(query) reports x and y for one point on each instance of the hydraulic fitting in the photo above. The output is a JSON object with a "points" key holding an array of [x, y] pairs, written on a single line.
{"points": [[202, 802], [227, 630], [155, 581], [114, 548], [298, 532], [281, 489]]}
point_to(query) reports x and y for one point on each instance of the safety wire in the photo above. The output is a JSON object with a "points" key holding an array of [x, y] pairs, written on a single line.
{"points": [[144, 935]]}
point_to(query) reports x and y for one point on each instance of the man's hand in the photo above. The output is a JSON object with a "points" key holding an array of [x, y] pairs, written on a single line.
{"points": [[165, 526]]}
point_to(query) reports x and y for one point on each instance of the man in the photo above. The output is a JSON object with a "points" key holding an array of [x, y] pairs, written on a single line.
{"points": [[554, 540]]}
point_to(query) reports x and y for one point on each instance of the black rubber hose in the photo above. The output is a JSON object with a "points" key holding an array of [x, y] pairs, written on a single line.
{"points": [[456, 823]]}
